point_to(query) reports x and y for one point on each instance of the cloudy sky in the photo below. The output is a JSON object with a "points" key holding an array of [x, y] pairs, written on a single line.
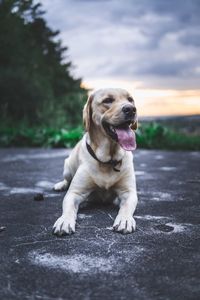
{"points": [[150, 47]]}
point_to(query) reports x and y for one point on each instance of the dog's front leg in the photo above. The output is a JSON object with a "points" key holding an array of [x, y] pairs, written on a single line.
{"points": [[67, 174], [124, 221], [79, 189]]}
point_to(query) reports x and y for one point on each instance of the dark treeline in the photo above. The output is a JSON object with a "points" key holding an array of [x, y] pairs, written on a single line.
{"points": [[36, 85]]}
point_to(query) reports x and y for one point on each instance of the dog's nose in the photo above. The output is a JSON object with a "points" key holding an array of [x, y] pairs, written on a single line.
{"points": [[129, 110]]}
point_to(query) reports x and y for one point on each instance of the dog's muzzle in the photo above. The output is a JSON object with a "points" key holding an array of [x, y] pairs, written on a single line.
{"points": [[122, 133], [129, 111]]}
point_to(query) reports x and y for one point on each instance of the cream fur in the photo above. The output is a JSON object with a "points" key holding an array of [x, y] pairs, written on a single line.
{"points": [[83, 174]]}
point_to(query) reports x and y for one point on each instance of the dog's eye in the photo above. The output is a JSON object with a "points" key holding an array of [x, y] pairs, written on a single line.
{"points": [[108, 100], [130, 99]]}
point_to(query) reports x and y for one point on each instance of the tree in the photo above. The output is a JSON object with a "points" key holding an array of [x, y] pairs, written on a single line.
{"points": [[36, 84]]}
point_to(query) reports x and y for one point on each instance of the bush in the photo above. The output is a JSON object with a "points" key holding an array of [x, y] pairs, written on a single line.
{"points": [[156, 136], [149, 136]]}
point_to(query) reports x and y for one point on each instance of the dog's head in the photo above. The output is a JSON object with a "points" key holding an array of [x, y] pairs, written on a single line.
{"points": [[113, 112]]}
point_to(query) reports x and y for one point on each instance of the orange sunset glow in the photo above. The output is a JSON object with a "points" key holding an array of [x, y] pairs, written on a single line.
{"points": [[154, 102], [150, 48]]}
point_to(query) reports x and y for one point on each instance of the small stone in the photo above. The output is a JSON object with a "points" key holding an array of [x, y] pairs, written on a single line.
{"points": [[164, 228], [39, 197], [2, 228]]}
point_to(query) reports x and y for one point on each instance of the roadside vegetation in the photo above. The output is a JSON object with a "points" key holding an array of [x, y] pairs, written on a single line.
{"points": [[150, 136]]}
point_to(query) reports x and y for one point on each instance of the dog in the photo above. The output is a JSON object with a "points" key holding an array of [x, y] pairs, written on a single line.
{"points": [[102, 159]]}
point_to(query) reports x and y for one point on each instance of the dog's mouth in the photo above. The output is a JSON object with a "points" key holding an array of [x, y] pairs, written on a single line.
{"points": [[122, 134]]}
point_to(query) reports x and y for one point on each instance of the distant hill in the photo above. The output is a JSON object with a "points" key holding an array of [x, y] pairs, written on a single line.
{"points": [[186, 124]]}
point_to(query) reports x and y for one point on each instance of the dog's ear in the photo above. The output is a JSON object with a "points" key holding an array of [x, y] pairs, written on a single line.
{"points": [[87, 113], [134, 126]]}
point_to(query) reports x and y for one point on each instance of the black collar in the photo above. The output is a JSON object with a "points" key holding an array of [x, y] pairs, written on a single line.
{"points": [[112, 162]]}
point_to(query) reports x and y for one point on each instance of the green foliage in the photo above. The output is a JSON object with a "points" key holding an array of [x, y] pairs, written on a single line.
{"points": [[35, 81], [156, 136], [37, 137], [149, 136]]}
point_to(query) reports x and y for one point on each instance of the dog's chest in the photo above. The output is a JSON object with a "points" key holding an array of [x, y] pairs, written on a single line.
{"points": [[106, 180]]}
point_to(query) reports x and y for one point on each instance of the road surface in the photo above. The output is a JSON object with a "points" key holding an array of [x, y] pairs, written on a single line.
{"points": [[161, 260]]}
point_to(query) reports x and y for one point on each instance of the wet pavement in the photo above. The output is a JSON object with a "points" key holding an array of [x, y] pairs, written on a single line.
{"points": [[161, 260]]}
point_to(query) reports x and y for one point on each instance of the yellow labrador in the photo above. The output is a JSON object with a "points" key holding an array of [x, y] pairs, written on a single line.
{"points": [[102, 159]]}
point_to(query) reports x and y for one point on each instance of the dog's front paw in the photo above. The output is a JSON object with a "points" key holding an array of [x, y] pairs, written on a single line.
{"points": [[60, 186], [64, 226], [124, 224]]}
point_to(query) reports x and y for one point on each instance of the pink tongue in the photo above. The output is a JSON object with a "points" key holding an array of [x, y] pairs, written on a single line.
{"points": [[126, 138]]}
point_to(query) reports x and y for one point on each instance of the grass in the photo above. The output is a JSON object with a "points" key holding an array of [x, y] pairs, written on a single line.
{"points": [[149, 136], [156, 136], [39, 137]]}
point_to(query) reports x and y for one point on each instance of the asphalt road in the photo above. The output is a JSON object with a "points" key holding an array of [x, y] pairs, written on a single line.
{"points": [[161, 260]]}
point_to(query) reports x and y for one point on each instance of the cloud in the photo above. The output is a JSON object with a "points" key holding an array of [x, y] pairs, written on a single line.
{"points": [[155, 41]]}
